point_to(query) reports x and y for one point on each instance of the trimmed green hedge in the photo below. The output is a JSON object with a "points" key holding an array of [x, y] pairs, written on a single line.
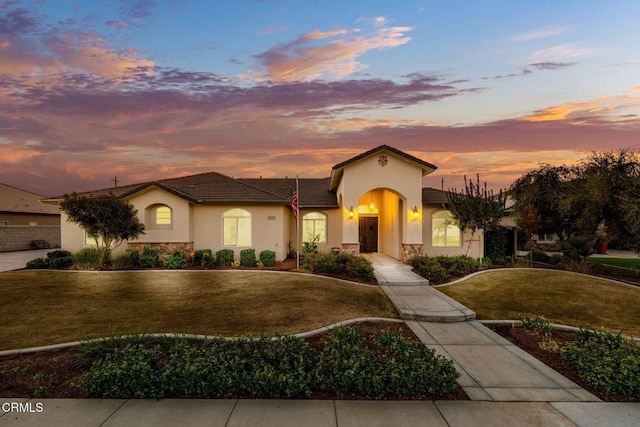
{"points": [[283, 368], [608, 362], [330, 263]]}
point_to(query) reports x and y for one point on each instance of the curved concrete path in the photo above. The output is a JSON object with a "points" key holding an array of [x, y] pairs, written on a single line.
{"points": [[492, 368]]}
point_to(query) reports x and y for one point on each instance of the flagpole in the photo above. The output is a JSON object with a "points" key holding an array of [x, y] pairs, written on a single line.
{"points": [[297, 225]]}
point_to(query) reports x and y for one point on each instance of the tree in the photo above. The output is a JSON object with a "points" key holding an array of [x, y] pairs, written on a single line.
{"points": [[544, 190], [596, 196], [105, 218], [476, 208]]}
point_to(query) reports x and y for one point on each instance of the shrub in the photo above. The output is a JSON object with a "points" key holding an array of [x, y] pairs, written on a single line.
{"points": [[328, 263], [458, 265], [87, 258], [126, 260], [175, 262], [203, 258], [606, 361], [37, 263], [224, 257], [268, 258], [360, 267], [150, 256], [539, 256], [59, 253], [495, 245], [537, 323], [89, 351], [128, 372], [403, 368], [248, 257], [61, 262], [429, 268]]}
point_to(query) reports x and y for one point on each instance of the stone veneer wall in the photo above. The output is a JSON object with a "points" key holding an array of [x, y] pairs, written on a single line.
{"points": [[410, 250], [19, 237], [166, 248], [351, 248]]}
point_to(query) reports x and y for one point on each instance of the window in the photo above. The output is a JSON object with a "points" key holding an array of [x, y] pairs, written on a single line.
{"points": [[163, 215], [444, 229], [90, 241], [159, 217], [236, 228], [314, 224], [4, 223]]}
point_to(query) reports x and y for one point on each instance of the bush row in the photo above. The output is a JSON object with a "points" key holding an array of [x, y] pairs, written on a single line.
{"points": [[331, 263], [438, 269], [283, 368], [89, 258]]}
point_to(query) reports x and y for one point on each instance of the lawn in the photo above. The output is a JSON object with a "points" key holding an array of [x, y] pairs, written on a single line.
{"points": [[563, 297], [48, 307], [618, 262]]}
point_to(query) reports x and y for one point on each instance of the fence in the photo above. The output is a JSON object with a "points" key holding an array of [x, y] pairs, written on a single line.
{"points": [[19, 237]]}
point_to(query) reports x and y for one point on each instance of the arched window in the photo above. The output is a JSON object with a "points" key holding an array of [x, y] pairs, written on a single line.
{"points": [[236, 228], [159, 217], [314, 224], [444, 229], [163, 215]]}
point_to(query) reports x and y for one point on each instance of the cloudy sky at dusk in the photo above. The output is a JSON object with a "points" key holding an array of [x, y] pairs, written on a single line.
{"points": [[144, 89]]}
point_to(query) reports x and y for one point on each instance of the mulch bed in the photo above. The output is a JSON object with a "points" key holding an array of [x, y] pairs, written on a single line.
{"points": [[531, 341], [52, 374]]}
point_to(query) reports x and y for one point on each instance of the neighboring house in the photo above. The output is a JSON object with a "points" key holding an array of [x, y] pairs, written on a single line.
{"points": [[373, 202], [23, 219]]}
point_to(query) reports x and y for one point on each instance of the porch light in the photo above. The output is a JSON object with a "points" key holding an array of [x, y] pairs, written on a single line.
{"points": [[416, 213], [351, 213]]}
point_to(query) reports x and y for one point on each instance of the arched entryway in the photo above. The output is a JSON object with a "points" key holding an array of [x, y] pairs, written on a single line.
{"points": [[380, 222]]}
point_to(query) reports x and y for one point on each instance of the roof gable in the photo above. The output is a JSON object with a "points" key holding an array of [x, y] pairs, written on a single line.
{"points": [[14, 199], [337, 170]]}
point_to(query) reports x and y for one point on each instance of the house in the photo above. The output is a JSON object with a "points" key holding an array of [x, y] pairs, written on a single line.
{"points": [[23, 219], [373, 202]]}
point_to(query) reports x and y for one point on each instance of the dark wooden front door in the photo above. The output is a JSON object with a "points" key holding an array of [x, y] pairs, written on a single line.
{"points": [[369, 234]]}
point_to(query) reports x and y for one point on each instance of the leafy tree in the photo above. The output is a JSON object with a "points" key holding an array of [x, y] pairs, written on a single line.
{"points": [[543, 190], [476, 208], [106, 218], [599, 194]]}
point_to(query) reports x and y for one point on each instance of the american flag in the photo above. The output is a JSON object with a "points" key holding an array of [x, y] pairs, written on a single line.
{"points": [[294, 205]]}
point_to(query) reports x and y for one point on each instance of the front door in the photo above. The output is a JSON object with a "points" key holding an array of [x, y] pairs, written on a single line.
{"points": [[368, 234]]}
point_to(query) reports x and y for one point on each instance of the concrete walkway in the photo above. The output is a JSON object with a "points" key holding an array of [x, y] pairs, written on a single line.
{"points": [[312, 413], [17, 260], [411, 294], [492, 368]]}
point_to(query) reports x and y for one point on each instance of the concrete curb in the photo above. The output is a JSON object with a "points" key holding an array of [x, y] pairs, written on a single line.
{"points": [[477, 273], [305, 334], [556, 326]]}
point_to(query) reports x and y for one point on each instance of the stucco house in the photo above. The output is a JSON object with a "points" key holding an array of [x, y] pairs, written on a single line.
{"points": [[373, 202]]}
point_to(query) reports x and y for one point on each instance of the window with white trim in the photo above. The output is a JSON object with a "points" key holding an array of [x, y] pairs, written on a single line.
{"points": [[445, 231], [159, 217], [314, 224], [236, 228]]}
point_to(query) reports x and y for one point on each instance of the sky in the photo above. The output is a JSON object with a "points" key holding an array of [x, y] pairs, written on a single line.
{"points": [[148, 89]]}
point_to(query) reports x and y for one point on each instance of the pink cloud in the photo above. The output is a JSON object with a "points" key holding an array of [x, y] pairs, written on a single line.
{"points": [[306, 59]]}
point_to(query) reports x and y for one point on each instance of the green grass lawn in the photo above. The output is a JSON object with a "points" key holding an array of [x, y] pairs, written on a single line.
{"points": [[562, 297], [618, 262], [48, 307]]}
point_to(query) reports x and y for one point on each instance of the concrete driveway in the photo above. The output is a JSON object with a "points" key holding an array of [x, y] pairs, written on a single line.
{"points": [[17, 260]]}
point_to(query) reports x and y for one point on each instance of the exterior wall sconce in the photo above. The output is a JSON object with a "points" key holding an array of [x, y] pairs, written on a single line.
{"points": [[351, 213], [416, 212]]}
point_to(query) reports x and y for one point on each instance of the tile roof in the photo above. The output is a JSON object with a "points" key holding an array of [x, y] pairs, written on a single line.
{"points": [[13, 199], [432, 196], [314, 192], [215, 188]]}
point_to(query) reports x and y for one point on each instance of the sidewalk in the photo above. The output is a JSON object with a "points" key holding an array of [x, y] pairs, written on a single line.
{"points": [[312, 413]]}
